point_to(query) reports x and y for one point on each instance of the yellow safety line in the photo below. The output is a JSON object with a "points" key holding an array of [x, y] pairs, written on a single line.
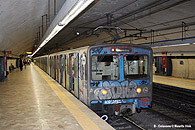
{"points": [[85, 122], [177, 85], [174, 78]]}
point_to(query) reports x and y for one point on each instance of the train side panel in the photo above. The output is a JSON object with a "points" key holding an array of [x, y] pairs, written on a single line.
{"points": [[104, 76], [69, 68], [76, 73], [83, 76]]}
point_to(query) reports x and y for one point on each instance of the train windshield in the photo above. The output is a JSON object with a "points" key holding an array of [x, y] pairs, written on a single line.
{"points": [[105, 67], [135, 66]]}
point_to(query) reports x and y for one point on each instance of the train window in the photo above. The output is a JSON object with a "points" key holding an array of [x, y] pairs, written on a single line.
{"points": [[83, 66], [105, 67], [135, 66]]}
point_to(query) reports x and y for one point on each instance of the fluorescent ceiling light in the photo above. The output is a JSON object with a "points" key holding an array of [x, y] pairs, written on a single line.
{"points": [[75, 11], [43, 43], [36, 51], [29, 52], [29, 56], [172, 45], [80, 6]]}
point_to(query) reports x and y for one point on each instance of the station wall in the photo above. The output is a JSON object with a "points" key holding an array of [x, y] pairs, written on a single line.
{"points": [[183, 68], [11, 61]]}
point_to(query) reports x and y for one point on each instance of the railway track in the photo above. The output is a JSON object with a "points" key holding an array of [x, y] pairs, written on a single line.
{"points": [[173, 108], [176, 103], [159, 117], [178, 98], [124, 123], [179, 117]]}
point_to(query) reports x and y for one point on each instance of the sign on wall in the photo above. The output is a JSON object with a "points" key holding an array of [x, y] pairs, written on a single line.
{"points": [[164, 61]]}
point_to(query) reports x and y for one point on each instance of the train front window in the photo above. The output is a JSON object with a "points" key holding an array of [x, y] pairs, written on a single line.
{"points": [[135, 66], [105, 67]]}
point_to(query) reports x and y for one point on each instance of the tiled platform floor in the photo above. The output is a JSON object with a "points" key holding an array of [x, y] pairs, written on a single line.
{"points": [[27, 102], [173, 81]]}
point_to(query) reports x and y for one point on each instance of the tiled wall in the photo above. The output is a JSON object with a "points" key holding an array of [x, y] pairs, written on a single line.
{"points": [[183, 68]]}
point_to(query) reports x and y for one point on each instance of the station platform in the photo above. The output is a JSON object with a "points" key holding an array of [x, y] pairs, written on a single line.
{"points": [[31, 100], [173, 81]]}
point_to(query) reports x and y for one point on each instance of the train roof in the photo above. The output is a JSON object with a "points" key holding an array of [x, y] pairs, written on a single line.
{"points": [[121, 44], [100, 45]]}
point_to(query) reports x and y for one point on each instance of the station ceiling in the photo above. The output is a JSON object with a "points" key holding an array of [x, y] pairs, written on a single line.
{"points": [[149, 22]]}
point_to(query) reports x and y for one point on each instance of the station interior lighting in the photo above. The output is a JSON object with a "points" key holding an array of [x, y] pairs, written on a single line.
{"points": [[172, 45], [73, 13], [29, 52], [77, 33]]}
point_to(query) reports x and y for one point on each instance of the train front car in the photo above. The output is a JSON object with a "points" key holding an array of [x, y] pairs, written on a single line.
{"points": [[120, 78]]}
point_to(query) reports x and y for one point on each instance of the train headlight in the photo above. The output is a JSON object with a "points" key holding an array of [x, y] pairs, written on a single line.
{"points": [[139, 90], [104, 92]]}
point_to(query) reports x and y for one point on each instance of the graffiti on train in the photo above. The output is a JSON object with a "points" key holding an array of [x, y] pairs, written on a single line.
{"points": [[97, 50], [120, 50], [116, 90]]}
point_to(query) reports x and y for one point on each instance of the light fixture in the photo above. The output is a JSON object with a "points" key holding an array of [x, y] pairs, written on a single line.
{"points": [[29, 52], [172, 45], [139, 90], [80, 6], [77, 33], [76, 10], [104, 92], [29, 56], [36, 51]]}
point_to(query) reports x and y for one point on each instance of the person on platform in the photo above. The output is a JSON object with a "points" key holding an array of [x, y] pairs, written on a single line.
{"points": [[21, 64], [25, 62]]}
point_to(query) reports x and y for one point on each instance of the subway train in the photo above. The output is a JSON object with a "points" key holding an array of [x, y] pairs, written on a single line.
{"points": [[111, 79]]}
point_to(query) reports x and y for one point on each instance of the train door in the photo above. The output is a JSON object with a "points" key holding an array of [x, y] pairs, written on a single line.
{"points": [[61, 70], [57, 69], [71, 72], [50, 65], [51, 69], [59, 66], [83, 77], [64, 70], [46, 65], [54, 67], [76, 74], [67, 72]]}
